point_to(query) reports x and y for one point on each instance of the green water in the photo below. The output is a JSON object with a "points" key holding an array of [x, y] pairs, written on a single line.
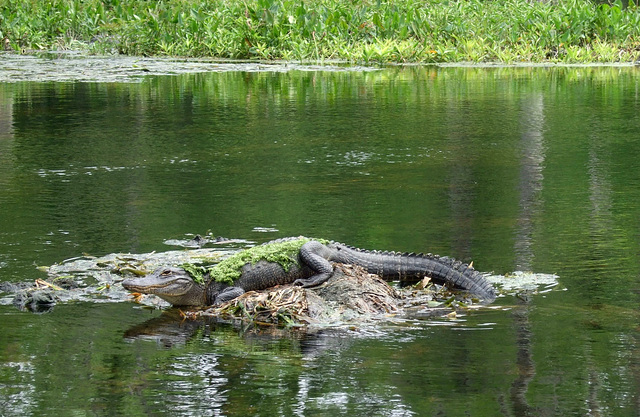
{"points": [[511, 168]]}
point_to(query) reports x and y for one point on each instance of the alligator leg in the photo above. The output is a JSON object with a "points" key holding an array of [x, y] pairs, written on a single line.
{"points": [[228, 294], [311, 255]]}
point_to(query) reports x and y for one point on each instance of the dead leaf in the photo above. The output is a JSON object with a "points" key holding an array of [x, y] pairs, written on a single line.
{"points": [[423, 283]]}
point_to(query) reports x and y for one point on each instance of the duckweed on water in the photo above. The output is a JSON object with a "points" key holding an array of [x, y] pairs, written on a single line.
{"points": [[363, 31]]}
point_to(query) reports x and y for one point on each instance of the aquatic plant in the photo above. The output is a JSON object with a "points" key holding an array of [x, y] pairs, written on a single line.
{"points": [[228, 270], [366, 31]]}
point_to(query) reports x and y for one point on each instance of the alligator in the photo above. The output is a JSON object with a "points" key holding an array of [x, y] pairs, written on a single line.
{"points": [[304, 262]]}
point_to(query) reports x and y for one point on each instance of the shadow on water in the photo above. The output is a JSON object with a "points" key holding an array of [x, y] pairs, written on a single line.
{"points": [[172, 330]]}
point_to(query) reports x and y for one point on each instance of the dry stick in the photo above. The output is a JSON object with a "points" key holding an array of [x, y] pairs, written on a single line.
{"points": [[43, 283]]}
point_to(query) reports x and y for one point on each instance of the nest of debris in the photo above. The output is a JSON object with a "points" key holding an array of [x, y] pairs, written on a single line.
{"points": [[351, 295]]}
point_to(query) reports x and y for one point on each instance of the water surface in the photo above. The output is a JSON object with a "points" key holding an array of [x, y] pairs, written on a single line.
{"points": [[512, 168]]}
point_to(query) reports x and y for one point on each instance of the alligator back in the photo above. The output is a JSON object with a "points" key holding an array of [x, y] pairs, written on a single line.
{"points": [[264, 274], [411, 267]]}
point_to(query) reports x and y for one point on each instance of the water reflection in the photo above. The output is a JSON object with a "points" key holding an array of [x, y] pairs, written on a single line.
{"points": [[6, 167], [531, 179], [601, 227], [17, 387], [530, 206], [524, 362], [513, 168], [241, 365], [168, 330], [195, 385], [6, 113]]}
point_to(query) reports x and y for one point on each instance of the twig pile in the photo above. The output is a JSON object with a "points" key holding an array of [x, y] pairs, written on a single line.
{"points": [[351, 293]]}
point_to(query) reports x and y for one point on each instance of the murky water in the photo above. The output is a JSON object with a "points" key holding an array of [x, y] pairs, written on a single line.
{"points": [[514, 168]]}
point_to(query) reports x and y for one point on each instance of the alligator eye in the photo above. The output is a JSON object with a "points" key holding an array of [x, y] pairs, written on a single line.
{"points": [[166, 272]]}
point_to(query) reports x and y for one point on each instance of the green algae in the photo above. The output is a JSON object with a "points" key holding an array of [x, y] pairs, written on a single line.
{"points": [[284, 252], [197, 272]]}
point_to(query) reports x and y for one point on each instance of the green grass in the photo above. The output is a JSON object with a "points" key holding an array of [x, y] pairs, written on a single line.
{"points": [[355, 31]]}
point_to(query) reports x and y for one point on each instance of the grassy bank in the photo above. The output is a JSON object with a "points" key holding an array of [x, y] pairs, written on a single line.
{"points": [[356, 31]]}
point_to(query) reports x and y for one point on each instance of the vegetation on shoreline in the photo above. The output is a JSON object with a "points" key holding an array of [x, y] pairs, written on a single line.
{"points": [[568, 31]]}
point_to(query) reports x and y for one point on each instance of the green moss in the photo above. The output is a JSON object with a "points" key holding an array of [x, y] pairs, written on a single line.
{"points": [[196, 272], [227, 271]]}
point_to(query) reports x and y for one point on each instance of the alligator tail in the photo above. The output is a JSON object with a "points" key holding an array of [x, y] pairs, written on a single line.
{"points": [[411, 267], [462, 275]]}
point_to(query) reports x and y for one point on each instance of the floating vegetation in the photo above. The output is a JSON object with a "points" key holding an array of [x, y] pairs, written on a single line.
{"points": [[520, 281], [364, 31], [199, 241], [42, 296], [351, 296], [96, 279]]}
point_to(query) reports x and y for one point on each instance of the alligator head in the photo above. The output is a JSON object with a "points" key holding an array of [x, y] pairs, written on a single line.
{"points": [[174, 285]]}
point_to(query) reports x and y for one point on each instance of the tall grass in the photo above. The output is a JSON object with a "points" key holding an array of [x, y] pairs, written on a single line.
{"points": [[357, 31]]}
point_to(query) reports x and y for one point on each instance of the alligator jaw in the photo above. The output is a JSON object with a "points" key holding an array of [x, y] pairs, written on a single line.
{"points": [[168, 288], [171, 284]]}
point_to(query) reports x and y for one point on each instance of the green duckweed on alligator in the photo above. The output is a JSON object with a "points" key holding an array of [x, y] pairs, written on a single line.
{"points": [[303, 262]]}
